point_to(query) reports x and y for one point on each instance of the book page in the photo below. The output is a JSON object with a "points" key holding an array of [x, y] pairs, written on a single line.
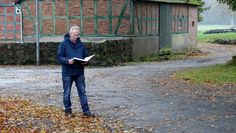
{"points": [[88, 58], [85, 59]]}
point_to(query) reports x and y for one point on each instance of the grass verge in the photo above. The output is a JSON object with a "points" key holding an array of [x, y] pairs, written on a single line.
{"points": [[216, 74], [212, 37]]}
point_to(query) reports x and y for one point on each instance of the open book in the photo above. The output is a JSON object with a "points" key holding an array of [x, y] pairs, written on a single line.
{"points": [[79, 60]]}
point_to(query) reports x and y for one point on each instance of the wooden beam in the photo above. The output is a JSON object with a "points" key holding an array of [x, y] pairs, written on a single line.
{"points": [[121, 16]]}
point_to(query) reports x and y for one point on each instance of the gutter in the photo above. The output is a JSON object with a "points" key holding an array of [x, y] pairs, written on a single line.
{"points": [[189, 2]]}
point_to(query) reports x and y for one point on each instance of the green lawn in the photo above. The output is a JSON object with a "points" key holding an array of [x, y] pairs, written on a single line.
{"points": [[212, 37], [216, 74]]}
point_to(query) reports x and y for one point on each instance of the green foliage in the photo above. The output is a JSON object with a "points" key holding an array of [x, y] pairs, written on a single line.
{"points": [[213, 37], [231, 3], [168, 54], [165, 51], [217, 74], [113, 52], [201, 9]]}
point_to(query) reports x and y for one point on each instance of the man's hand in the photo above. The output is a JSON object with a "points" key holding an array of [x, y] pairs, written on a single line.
{"points": [[85, 63], [71, 61]]}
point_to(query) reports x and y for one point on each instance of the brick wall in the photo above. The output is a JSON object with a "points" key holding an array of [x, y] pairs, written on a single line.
{"points": [[62, 22], [7, 1], [9, 23]]}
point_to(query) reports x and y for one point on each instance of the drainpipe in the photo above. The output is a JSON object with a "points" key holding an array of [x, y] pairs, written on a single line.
{"points": [[37, 32], [21, 29], [19, 12]]}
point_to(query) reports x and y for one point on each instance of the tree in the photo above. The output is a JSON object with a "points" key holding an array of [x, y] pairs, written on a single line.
{"points": [[201, 9], [232, 6], [231, 3]]}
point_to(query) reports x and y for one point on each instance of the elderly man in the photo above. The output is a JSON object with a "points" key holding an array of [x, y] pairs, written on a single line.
{"points": [[71, 47]]}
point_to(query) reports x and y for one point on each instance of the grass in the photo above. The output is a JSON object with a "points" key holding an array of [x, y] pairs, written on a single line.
{"points": [[212, 37], [216, 74]]}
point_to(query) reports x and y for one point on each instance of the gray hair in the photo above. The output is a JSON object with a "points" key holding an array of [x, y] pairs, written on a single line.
{"points": [[74, 28]]}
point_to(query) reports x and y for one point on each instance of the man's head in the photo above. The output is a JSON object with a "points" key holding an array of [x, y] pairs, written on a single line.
{"points": [[74, 33]]}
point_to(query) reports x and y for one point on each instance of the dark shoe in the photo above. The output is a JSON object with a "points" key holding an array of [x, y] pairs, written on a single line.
{"points": [[89, 114], [69, 115]]}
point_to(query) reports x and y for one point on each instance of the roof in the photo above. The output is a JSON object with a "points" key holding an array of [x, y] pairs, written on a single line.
{"points": [[192, 2]]}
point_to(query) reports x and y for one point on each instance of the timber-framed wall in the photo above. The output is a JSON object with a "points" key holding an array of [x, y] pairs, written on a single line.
{"points": [[152, 24], [108, 18]]}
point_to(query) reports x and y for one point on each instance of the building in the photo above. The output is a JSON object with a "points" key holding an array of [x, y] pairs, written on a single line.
{"points": [[152, 24]]}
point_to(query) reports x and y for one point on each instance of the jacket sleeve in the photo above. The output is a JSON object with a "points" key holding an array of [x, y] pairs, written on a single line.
{"points": [[85, 52], [61, 55]]}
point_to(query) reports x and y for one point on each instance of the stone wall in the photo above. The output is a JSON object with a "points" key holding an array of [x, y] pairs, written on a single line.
{"points": [[112, 52]]}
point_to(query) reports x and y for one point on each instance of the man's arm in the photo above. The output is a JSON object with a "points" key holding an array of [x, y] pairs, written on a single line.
{"points": [[61, 55], [85, 54]]}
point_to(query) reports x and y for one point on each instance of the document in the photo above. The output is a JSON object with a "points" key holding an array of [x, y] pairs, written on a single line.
{"points": [[83, 60]]}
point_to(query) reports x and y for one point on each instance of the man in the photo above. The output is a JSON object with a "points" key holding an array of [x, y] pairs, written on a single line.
{"points": [[71, 47]]}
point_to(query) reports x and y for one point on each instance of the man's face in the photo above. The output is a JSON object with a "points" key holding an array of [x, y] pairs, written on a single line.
{"points": [[74, 35]]}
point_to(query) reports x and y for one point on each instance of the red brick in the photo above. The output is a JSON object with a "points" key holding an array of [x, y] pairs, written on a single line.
{"points": [[2, 36], [6, 1], [18, 27], [32, 8], [2, 19], [10, 27], [60, 8], [47, 8], [1, 9], [10, 9], [103, 27], [1, 27], [102, 8], [88, 8], [116, 7], [9, 19], [47, 27], [28, 27], [10, 35], [74, 22], [114, 23], [17, 18], [89, 26], [74, 9], [18, 36], [124, 27], [61, 26]]}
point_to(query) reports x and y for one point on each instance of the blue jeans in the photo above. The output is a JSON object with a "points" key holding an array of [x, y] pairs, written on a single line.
{"points": [[80, 84]]}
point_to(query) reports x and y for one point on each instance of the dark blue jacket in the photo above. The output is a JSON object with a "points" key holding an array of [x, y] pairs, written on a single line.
{"points": [[67, 50]]}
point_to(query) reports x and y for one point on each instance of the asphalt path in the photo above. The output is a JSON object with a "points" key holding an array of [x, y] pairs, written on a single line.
{"points": [[143, 96]]}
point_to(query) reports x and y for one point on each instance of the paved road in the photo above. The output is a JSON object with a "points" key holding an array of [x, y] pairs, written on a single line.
{"points": [[142, 95]]}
